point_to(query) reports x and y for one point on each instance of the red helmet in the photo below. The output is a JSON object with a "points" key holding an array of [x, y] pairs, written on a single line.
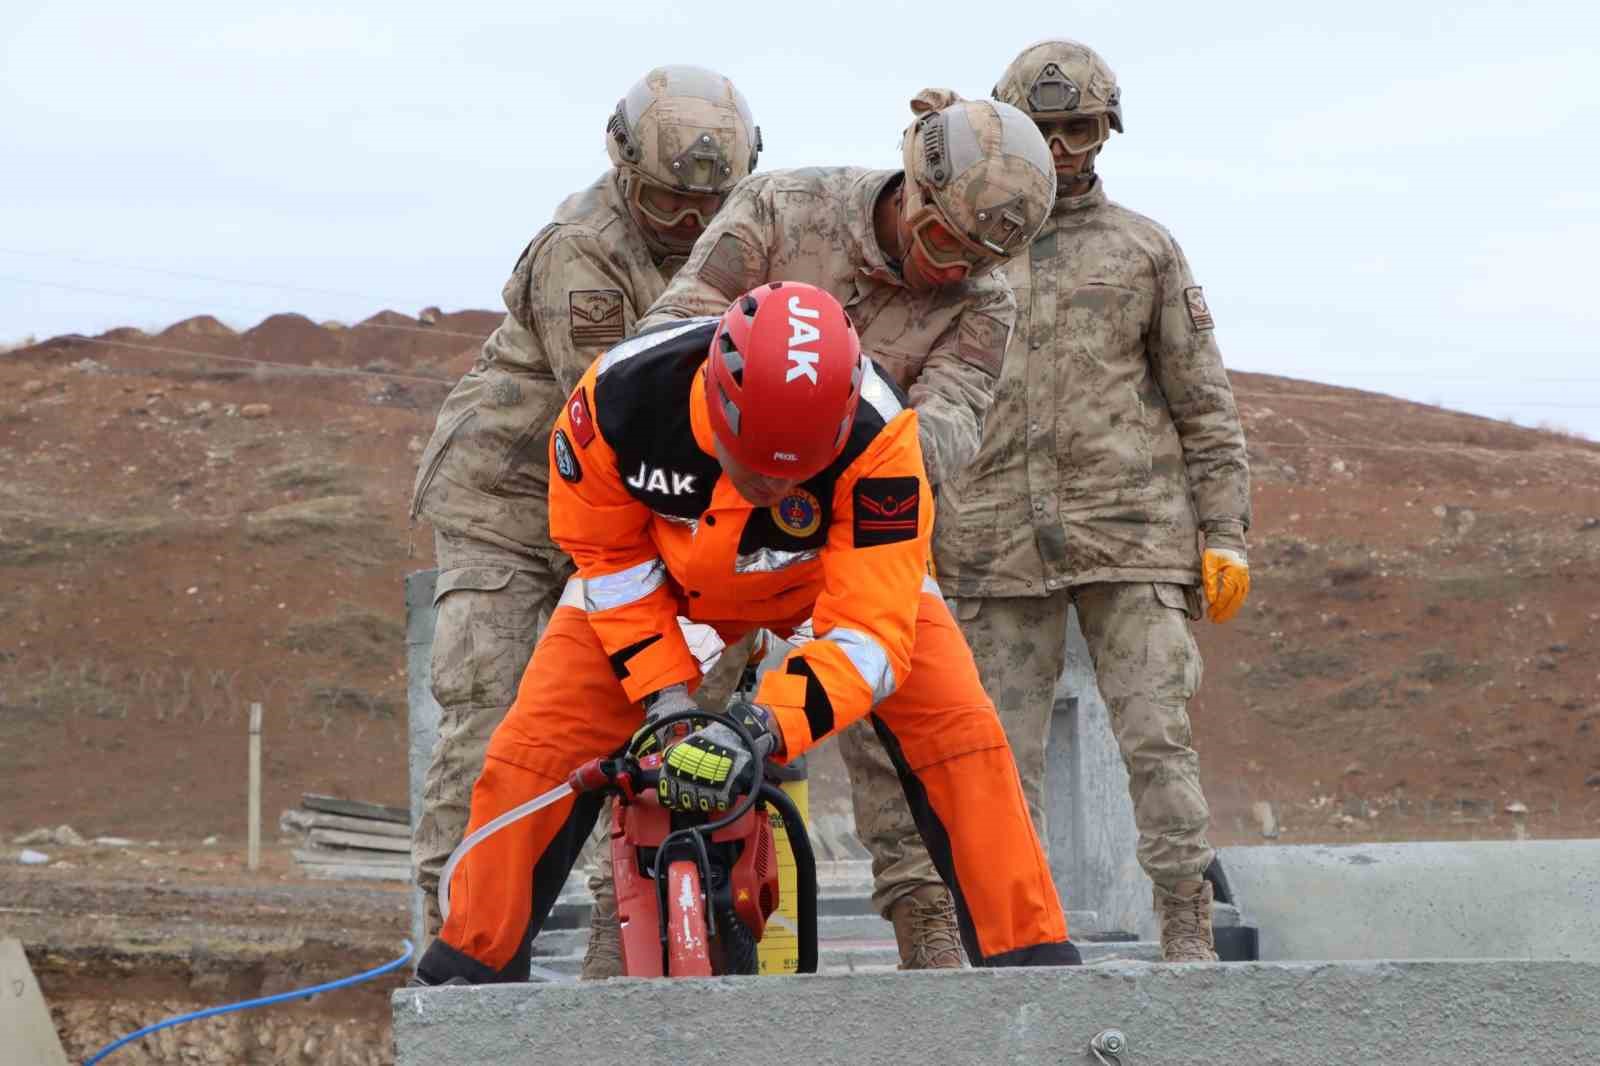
{"points": [[783, 379]]}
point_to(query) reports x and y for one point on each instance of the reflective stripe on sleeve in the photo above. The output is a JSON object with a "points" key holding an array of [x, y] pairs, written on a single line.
{"points": [[623, 587], [869, 659]]}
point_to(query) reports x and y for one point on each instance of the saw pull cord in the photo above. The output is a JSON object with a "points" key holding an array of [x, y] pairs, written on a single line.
{"points": [[250, 1004]]}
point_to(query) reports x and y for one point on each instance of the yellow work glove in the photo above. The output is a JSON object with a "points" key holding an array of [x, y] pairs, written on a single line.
{"points": [[1226, 575]]}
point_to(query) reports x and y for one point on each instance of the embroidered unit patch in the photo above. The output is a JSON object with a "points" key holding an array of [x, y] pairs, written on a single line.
{"points": [[797, 514], [566, 462]]}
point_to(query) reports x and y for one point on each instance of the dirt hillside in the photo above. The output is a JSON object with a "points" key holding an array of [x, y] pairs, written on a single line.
{"points": [[180, 536], [197, 519]]}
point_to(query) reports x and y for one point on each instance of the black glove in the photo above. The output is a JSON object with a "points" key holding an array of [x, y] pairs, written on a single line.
{"points": [[671, 700], [702, 771]]}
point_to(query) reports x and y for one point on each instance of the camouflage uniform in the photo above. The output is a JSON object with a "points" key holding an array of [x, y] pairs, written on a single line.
{"points": [[816, 225], [1113, 443], [578, 288], [679, 140], [944, 346]]}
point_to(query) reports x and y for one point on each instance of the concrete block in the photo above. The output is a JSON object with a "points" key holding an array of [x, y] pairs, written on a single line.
{"points": [[27, 1035], [1265, 1014], [1534, 899], [422, 710]]}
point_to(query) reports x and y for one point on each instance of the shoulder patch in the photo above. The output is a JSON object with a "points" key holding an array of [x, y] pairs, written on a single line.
{"points": [[728, 268], [886, 510], [981, 341], [595, 316], [1199, 313], [566, 462], [578, 415]]}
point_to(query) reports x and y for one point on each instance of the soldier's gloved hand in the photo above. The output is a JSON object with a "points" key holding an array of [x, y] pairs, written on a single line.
{"points": [[702, 771], [1226, 575], [658, 705]]}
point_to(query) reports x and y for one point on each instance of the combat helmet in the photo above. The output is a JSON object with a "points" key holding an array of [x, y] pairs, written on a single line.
{"points": [[979, 180], [683, 137], [1068, 90]]}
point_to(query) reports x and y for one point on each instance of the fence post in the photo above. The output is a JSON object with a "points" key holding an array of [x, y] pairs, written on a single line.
{"points": [[253, 855]]}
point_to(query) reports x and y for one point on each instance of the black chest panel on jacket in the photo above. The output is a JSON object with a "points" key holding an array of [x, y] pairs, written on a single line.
{"points": [[642, 406]]}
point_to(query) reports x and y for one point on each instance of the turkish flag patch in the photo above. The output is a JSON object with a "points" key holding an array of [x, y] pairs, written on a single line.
{"points": [[887, 510], [578, 415]]}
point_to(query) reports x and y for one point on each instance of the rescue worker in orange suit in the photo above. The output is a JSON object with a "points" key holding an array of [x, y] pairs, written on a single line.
{"points": [[752, 470]]}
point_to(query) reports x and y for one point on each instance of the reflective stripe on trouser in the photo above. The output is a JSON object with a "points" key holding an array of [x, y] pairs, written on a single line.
{"points": [[489, 605], [940, 728], [1147, 667]]}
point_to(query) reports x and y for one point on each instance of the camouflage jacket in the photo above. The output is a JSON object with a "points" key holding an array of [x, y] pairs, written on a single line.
{"points": [[1113, 436], [814, 225], [577, 289]]}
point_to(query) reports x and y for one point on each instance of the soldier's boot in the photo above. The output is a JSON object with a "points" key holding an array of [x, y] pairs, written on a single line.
{"points": [[1185, 913], [925, 929], [603, 957]]}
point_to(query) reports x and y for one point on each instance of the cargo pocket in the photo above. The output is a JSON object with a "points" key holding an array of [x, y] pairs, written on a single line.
{"points": [[478, 578], [1185, 598], [463, 645]]}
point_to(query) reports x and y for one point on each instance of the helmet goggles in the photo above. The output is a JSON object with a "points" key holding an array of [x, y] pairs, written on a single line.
{"points": [[1076, 134], [945, 247], [666, 207]]}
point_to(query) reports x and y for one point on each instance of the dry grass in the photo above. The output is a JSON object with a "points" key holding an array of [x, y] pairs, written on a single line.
{"points": [[28, 538], [310, 475], [354, 636], [303, 518]]}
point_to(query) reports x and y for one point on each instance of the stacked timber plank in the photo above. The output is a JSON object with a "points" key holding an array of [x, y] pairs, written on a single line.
{"points": [[344, 839]]}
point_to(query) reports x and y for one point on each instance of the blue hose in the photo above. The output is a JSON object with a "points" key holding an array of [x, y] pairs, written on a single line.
{"points": [[228, 1008]]}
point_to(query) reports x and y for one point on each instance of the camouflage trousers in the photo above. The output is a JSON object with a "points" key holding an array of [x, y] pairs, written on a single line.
{"points": [[490, 606], [900, 861], [1147, 666]]}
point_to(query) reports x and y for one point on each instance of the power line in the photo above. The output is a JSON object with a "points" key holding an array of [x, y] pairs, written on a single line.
{"points": [[295, 367], [1314, 397], [236, 307], [124, 294], [64, 257]]}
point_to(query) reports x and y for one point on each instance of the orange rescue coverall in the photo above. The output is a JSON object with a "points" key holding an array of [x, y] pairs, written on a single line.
{"points": [[638, 499]]}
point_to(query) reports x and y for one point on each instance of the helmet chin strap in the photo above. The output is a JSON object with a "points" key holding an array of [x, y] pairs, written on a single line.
{"points": [[1082, 181]]}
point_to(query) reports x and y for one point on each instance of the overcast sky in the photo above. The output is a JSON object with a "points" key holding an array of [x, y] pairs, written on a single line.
{"points": [[1372, 194]]}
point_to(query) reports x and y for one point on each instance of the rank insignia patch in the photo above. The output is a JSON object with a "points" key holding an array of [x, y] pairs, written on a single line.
{"points": [[797, 514], [595, 316], [1199, 313], [727, 267], [981, 341], [887, 510], [566, 462]]}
